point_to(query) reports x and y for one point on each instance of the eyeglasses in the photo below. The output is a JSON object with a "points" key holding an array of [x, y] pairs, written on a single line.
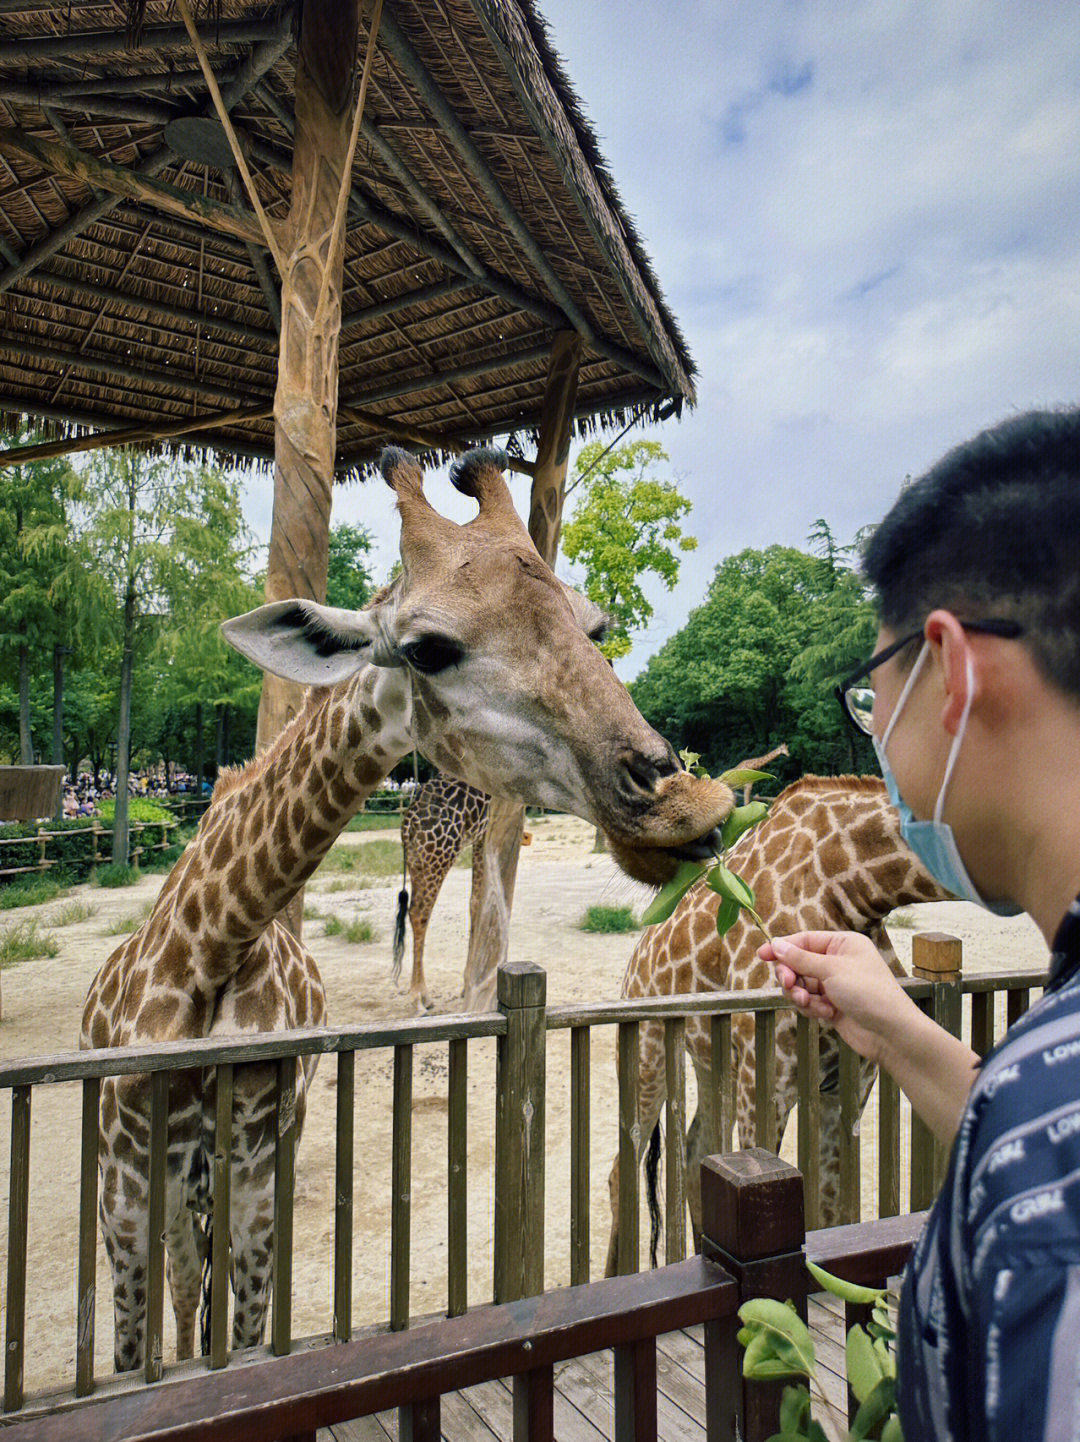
{"points": [[857, 702]]}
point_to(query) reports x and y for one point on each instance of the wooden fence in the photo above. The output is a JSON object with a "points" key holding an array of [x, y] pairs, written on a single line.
{"points": [[520, 1027], [753, 1245]]}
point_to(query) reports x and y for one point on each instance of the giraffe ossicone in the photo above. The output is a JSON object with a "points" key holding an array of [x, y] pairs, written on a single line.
{"points": [[476, 655]]}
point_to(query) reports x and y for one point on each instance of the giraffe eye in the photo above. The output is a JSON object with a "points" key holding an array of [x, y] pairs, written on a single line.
{"points": [[432, 654]]}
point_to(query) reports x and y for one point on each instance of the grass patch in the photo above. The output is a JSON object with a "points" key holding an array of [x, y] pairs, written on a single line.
{"points": [[903, 919], [609, 919], [71, 914], [26, 942], [370, 858], [34, 890], [355, 931], [311, 913], [116, 873], [125, 925], [375, 821], [158, 862]]}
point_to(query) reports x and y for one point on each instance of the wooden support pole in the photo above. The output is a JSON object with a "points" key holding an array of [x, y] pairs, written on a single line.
{"points": [[128, 436], [939, 959], [59, 158], [489, 932], [520, 1110]]}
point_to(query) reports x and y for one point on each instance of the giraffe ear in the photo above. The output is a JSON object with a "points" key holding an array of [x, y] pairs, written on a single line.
{"points": [[302, 641]]}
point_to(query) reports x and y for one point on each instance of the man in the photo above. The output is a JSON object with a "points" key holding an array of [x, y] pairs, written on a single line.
{"points": [[973, 701]]}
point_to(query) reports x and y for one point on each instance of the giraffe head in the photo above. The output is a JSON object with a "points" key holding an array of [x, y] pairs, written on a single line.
{"points": [[497, 673]]}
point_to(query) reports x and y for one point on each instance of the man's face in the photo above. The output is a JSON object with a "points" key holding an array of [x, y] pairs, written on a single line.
{"points": [[918, 745]]}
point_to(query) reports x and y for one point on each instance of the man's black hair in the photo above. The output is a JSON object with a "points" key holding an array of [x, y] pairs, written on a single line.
{"points": [[993, 530]]}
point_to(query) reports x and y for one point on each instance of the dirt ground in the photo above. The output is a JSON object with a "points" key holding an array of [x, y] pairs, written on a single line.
{"points": [[559, 877]]}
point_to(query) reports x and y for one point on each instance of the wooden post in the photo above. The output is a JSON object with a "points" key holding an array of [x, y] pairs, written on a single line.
{"points": [[306, 399], [490, 920], [520, 1132], [752, 1224], [938, 958]]}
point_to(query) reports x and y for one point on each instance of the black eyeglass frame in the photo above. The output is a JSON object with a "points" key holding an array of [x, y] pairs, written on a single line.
{"points": [[1010, 630]]}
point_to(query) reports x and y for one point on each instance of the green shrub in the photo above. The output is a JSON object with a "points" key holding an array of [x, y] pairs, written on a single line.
{"points": [[609, 919], [71, 913], [140, 808], [26, 942], [33, 890], [353, 931], [116, 873], [125, 925], [70, 845], [157, 862]]}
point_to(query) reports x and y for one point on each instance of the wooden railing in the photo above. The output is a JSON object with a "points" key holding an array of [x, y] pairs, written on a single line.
{"points": [[100, 848], [753, 1245], [520, 1257]]}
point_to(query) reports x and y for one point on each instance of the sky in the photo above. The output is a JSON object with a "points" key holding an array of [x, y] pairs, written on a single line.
{"points": [[865, 218]]}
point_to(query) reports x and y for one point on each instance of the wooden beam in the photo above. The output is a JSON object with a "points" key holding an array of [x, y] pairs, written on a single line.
{"points": [[61, 159], [144, 111], [418, 435], [128, 436], [117, 370], [153, 39]]}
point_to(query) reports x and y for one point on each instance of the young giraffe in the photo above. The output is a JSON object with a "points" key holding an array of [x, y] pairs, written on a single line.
{"points": [[829, 856], [444, 816], [479, 657]]}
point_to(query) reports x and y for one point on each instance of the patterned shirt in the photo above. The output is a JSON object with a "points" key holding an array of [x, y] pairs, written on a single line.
{"points": [[989, 1335]]}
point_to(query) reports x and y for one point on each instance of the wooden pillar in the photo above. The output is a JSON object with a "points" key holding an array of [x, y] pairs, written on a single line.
{"points": [[489, 926], [938, 958], [306, 399]]}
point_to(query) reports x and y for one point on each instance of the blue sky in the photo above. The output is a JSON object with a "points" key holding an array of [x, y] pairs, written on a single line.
{"points": [[866, 217]]}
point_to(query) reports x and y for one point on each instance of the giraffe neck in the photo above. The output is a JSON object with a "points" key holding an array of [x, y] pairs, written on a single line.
{"points": [[272, 822]]}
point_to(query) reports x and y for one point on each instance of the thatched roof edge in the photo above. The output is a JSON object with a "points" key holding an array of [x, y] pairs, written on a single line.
{"points": [[521, 36]]}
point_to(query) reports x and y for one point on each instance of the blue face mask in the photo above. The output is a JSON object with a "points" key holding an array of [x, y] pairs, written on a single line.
{"points": [[933, 841]]}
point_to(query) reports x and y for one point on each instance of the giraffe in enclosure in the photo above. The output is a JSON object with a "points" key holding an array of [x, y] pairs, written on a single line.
{"points": [[480, 658], [829, 856], [444, 816], [756, 763]]}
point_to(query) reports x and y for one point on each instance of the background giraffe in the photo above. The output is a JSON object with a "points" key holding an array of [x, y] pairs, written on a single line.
{"points": [[828, 856], [444, 816], [478, 656]]}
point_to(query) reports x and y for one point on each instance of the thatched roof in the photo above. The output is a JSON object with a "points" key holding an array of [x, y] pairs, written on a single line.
{"points": [[482, 219]]}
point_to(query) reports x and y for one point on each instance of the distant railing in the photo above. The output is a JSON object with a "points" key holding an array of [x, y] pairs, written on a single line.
{"points": [[520, 1027]]}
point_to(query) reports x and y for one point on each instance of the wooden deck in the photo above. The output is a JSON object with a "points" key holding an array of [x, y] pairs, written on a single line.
{"points": [[584, 1410]]}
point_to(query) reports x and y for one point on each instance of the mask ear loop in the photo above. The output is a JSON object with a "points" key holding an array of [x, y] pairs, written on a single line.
{"points": [[905, 692], [954, 750]]}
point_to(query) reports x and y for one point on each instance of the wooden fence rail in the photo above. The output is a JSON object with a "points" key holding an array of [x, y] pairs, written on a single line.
{"points": [[520, 1027], [753, 1246]]}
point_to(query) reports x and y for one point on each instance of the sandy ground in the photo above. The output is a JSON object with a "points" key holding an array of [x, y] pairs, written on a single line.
{"points": [[559, 877]]}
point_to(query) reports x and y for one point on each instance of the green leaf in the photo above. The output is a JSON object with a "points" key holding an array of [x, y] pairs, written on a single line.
{"points": [[669, 896], [815, 1432], [745, 1335], [849, 1291], [743, 776], [740, 821], [864, 1369], [794, 1409], [875, 1409], [892, 1431], [727, 914], [786, 1335], [689, 759], [787, 1437], [725, 883]]}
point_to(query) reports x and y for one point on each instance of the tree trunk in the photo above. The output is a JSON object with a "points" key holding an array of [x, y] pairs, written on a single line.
{"points": [[121, 830], [489, 932], [198, 748], [306, 399], [26, 740], [219, 737], [59, 652]]}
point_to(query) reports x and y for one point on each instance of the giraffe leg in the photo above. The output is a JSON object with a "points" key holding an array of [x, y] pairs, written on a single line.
{"points": [[652, 1090], [185, 1248], [426, 885], [123, 1212], [252, 1234]]}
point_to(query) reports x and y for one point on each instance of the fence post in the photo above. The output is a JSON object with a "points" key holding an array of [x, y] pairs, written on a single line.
{"points": [[752, 1224], [519, 1132], [938, 959]]}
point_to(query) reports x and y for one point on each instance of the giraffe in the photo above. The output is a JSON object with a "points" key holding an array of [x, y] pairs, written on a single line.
{"points": [[444, 816], [480, 658], [828, 856], [755, 763]]}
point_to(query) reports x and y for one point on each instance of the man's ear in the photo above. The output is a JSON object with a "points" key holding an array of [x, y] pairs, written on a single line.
{"points": [[305, 642], [949, 640]]}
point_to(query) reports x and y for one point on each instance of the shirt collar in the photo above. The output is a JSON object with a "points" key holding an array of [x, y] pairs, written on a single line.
{"points": [[1065, 954]]}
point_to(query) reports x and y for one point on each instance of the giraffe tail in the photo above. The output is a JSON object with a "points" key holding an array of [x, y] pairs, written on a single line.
{"points": [[399, 931], [652, 1192]]}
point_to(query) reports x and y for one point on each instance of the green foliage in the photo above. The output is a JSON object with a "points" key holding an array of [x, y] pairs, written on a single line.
{"points": [[33, 890], [140, 808], [348, 581], [71, 914], [375, 821], [779, 1345], [610, 920], [70, 846], [756, 662], [625, 526], [26, 942], [131, 921], [116, 873], [356, 931], [370, 858]]}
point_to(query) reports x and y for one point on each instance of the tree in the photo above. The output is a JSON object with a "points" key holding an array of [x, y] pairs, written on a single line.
{"points": [[33, 533], [624, 527], [348, 582], [756, 663]]}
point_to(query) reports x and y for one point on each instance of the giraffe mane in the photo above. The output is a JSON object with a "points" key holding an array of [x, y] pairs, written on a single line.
{"points": [[852, 785], [231, 779]]}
